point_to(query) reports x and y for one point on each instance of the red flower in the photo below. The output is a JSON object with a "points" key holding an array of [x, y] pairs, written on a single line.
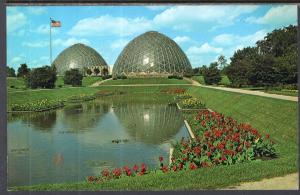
{"points": [[91, 178], [174, 168], [267, 136], [117, 172], [143, 167], [184, 159], [126, 168], [135, 168], [208, 154], [161, 158], [223, 158], [128, 173], [220, 146], [193, 166], [180, 166], [218, 133], [165, 169], [197, 150], [105, 173]]}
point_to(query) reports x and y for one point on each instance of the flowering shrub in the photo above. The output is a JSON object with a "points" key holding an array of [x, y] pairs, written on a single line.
{"points": [[119, 172], [191, 103], [40, 105], [220, 140], [81, 98], [173, 91]]}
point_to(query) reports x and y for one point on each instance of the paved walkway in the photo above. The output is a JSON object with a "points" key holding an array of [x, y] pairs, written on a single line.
{"points": [[244, 91], [287, 182]]}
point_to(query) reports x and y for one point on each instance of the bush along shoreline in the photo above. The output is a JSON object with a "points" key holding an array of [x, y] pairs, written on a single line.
{"points": [[219, 140], [38, 106]]}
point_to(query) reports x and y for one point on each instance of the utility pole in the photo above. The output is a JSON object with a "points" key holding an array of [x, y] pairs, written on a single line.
{"points": [[50, 42]]}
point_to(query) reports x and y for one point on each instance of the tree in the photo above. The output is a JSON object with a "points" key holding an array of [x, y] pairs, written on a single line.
{"points": [[96, 71], [212, 75], [10, 72], [105, 71], [43, 77], [73, 77], [23, 70], [89, 72], [222, 62]]}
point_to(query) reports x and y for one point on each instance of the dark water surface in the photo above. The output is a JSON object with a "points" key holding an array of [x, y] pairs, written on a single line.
{"points": [[68, 144]]}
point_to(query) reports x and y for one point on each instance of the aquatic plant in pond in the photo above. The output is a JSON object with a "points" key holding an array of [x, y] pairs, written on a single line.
{"points": [[40, 105]]}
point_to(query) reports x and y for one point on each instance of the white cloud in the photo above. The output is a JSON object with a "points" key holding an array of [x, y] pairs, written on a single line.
{"points": [[232, 39], [69, 42], [119, 44], [109, 25], [37, 44], [182, 39], [15, 20], [279, 15], [36, 10], [18, 60], [186, 16], [203, 49], [45, 29]]}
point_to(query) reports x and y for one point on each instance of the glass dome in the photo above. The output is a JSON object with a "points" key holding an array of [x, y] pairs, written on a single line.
{"points": [[152, 53], [78, 56]]}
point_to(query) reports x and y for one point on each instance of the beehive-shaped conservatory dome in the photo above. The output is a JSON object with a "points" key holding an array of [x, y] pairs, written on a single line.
{"points": [[152, 53], [78, 56]]}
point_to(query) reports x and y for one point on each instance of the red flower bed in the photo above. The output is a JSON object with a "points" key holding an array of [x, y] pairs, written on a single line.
{"points": [[221, 140]]}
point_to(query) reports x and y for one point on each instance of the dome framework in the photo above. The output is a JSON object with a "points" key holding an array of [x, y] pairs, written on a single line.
{"points": [[152, 53], [79, 56]]}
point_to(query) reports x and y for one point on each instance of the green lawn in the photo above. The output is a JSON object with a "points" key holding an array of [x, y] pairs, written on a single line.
{"points": [[276, 117], [200, 79], [131, 81], [15, 84]]}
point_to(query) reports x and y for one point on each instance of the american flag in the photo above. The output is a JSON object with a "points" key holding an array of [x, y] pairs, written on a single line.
{"points": [[55, 23]]}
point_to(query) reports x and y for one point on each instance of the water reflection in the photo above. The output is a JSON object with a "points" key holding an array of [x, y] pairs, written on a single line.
{"points": [[43, 121], [38, 151], [150, 123], [83, 117]]}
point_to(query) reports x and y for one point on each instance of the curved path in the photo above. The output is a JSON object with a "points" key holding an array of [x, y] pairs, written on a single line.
{"points": [[287, 182], [244, 91]]}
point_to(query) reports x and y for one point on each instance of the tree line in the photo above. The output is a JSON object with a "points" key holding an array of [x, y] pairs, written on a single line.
{"points": [[46, 76], [271, 62]]}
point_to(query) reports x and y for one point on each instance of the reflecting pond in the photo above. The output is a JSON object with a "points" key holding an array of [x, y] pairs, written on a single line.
{"points": [[68, 144]]}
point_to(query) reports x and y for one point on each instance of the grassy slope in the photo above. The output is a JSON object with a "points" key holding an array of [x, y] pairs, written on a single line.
{"points": [[145, 81], [200, 79], [64, 93], [16, 83], [277, 117]]}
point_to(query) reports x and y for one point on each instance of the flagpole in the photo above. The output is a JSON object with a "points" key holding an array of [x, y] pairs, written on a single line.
{"points": [[50, 44]]}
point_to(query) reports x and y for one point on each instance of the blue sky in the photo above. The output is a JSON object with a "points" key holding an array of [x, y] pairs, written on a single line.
{"points": [[203, 32]]}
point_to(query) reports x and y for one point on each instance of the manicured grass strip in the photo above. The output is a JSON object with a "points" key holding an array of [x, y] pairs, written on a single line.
{"points": [[206, 178], [145, 81], [65, 93], [273, 116]]}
